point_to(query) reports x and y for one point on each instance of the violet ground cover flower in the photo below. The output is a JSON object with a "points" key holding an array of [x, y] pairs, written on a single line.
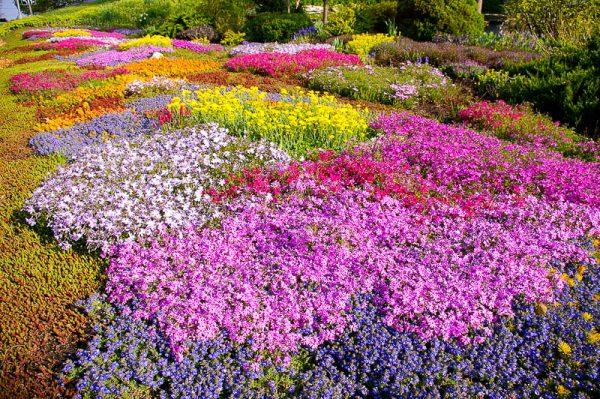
{"points": [[131, 189]]}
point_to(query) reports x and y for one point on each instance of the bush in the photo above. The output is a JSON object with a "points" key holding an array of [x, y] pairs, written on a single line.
{"points": [[341, 22], [275, 27], [373, 17], [363, 44], [199, 32], [422, 19], [561, 20], [565, 85]]}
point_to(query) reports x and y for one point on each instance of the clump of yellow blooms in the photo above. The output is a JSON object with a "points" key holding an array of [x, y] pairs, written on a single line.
{"points": [[564, 348], [297, 121], [561, 390], [5, 62], [593, 336], [155, 40], [71, 32], [171, 67], [362, 44]]}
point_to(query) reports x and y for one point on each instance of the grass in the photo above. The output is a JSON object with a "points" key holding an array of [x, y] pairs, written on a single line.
{"points": [[39, 283]]}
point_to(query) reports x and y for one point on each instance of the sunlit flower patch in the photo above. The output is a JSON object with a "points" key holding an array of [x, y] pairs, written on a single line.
{"points": [[171, 67], [280, 64], [297, 121], [115, 58], [282, 48]]}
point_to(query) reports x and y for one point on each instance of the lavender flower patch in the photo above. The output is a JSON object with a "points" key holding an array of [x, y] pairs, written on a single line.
{"points": [[114, 57], [284, 48], [72, 141], [130, 190]]}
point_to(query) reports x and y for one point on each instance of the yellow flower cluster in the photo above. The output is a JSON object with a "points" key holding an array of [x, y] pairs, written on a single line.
{"points": [[564, 348], [298, 121], [362, 44], [155, 40], [71, 32], [5, 63], [171, 67]]}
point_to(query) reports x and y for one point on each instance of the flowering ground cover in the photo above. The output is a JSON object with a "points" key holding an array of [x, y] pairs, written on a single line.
{"points": [[405, 86], [179, 221], [279, 64]]}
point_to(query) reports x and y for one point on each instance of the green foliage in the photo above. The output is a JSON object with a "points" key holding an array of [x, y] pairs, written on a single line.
{"points": [[341, 22], [45, 5], [380, 85], [180, 21], [422, 19], [565, 85], [38, 282], [231, 38], [275, 27], [570, 21], [373, 17]]}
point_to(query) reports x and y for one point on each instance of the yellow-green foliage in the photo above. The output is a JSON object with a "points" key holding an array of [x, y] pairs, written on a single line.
{"points": [[38, 282], [362, 44], [155, 40]]}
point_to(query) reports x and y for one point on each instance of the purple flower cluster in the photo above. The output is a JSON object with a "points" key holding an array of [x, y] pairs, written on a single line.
{"points": [[114, 57]]}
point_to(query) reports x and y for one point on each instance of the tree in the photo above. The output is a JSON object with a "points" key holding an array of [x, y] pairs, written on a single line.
{"points": [[325, 11]]}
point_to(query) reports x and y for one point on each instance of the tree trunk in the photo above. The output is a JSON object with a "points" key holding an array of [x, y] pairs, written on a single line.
{"points": [[297, 4], [29, 5], [325, 11], [18, 2], [480, 6], [289, 6]]}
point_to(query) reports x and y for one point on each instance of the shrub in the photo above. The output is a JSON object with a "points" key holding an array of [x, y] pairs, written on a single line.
{"points": [[422, 19], [275, 27], [298, 122], [364, 43], [341, 22], [231, 38], [199, 32], [373, 17], [560, 20], [565, 85]]}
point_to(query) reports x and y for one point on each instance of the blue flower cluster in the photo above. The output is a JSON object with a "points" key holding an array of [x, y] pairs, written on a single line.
{"points": [[545, 351], [305, 32], [133, 122]]}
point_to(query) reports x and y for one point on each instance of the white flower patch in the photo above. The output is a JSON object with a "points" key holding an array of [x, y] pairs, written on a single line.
{"points": [[130, 190]]}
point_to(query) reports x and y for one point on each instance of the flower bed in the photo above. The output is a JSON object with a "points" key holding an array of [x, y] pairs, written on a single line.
{"points": [[364, 43], [522, 125], [58, 80], [171, 67], [298, 122], [197, 47], [132, 189], [282, 48], [278, 64], [405, 86], [115, 58]]}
